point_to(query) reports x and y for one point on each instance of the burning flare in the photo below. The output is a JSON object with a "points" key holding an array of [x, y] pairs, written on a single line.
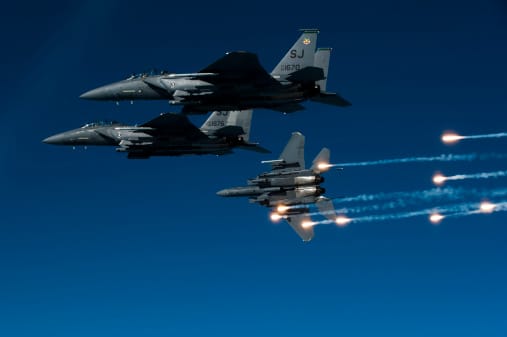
{"points": [[439, 179], [450, 138], [275, 217], [324, 166], [487, 207], [435, 218], [308, 224], [282, 209], [342, 221]]}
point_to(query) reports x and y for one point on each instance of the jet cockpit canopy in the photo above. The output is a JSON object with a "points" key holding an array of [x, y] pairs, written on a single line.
{"points": [[151, 72], [99, 124]]}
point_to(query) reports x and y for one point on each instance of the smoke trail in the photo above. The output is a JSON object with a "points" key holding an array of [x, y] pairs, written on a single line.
{"points": [[440, 158], [490, 135], [434, 194], [397, 200], [417, 195], [452, 137], [456, 210], [491, 208], [483, 175]]}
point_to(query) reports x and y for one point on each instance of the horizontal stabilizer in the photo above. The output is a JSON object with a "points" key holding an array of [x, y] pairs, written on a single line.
{"points": [[331, 98], [229, 131], [288, 108], [254, 147], [307, 74]]}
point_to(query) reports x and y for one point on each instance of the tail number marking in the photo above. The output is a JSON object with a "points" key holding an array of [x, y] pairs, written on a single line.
{"points": [[290, 67]]}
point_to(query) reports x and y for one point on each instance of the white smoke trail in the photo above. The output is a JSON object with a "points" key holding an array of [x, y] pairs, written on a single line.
{"points": [[434, 194], [490, 135], [397, 200], [440, 158], [452, 137], [483, 175], [457, 210], [430, 194]]}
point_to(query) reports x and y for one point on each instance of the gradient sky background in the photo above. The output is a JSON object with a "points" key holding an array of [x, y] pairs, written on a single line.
{"points": [[93, 244]]}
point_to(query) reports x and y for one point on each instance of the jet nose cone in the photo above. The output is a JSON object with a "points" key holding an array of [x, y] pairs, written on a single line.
{"points": [[55, 140], [98, 93], [223, 193]]}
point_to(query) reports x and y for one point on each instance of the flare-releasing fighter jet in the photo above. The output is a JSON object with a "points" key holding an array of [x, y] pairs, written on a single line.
{"points": [[236, 81], [289, 188], [167, 135]]}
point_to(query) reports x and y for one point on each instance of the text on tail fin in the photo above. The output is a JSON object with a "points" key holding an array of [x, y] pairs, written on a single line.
{"points": [[300, 55], [221, 119]]}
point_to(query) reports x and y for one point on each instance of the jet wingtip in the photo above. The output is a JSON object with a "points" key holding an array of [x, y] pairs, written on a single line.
{"points": [[310, 30]]}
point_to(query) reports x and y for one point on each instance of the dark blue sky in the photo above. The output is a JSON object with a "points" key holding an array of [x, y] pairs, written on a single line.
{"points": [[94, 244]]}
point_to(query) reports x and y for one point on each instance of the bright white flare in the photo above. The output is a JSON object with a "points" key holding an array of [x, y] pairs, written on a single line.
{"points": [[324, 166], [342, 221], [275, 217], [435, 215], [308, 224], [439, 179], [487, 207], [282, 209], [451, 138], [435, 218]]}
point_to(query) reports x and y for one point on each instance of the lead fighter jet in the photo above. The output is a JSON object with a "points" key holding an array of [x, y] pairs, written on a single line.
{"points": [[167, 135], [237, 81], [289, 188]]}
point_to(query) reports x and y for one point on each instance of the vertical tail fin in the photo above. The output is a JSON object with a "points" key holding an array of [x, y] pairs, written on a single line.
{"points": [[301, 54], [221, 119], [326, 208], [322, 56], [294, 151]]}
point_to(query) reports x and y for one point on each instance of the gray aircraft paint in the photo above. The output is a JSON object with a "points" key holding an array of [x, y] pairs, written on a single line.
{"points": [[290, 184], [167, 135], [322, 58], [236, 81], [299, 56]]}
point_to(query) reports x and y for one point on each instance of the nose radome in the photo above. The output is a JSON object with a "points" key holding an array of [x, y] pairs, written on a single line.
{"points": [[98, 93], [223, 193], [55, 140]]}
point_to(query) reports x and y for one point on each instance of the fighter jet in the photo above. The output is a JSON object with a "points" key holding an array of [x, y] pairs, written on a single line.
{"points": [[167, 135], [237, 81], [289, 188]]}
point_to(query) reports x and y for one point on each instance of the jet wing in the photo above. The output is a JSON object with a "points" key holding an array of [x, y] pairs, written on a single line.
{"points": [[240, 67], [175, 124], [301, 223]]}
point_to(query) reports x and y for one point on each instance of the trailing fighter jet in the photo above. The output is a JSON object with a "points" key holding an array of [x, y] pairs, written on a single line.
{"points": [[237, 81], [289, 188], [167, 135]]}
